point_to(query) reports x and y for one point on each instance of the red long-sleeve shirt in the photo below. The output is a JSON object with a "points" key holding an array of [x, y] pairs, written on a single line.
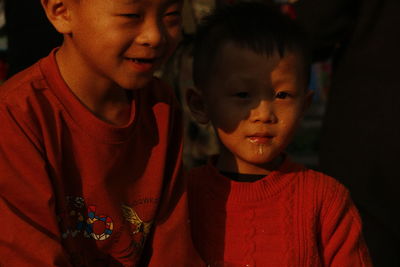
{"points": [[291, 217], [76, 191]]}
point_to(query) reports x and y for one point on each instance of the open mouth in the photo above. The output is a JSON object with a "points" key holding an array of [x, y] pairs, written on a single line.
{"points": [[143, 64], [142, 60]]}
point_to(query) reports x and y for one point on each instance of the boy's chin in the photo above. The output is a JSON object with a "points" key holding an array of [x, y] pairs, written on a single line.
{"points": [[266, 160], [137, 84]]}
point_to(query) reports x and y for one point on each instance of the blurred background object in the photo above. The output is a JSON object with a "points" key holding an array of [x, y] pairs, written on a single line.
{"points": [[30, 36], [3, 44]]}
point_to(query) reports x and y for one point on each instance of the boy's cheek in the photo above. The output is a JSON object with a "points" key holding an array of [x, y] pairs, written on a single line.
{"points": [[178, 36]]}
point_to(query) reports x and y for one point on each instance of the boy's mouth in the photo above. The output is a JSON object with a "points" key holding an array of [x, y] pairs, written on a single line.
{"points": [[142, 60], [260, 139], [143, 64]]}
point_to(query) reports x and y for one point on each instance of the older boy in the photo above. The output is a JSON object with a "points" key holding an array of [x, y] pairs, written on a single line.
{"points": [[90, 143], [251, 205]]}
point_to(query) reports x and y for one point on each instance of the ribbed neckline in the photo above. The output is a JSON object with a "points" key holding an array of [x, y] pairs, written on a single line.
{"points": [[81, 115], [269, 186]]}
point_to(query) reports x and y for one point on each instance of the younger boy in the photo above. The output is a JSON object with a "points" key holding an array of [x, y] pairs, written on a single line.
{"points": [[251, 205], [90, 143]]}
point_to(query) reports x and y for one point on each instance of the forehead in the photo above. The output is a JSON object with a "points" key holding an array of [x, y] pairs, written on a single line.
{"points": [[235, 62]]}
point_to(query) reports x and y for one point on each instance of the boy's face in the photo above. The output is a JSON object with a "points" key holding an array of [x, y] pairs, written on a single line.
{"points": [[255, 103], [123, 41]]}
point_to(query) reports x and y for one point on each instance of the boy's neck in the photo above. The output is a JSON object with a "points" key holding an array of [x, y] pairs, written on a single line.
{"points": [[243, 177], [107, 101]]}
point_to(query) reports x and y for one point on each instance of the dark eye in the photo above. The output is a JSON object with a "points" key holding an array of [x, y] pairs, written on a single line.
{"points": [[173, 18], [282, 95], [131, 15], [242, 95], [173, 14]]}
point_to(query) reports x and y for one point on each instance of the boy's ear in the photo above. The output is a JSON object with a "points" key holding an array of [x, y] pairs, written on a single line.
{"points": [[197, 106], [58, 14]]}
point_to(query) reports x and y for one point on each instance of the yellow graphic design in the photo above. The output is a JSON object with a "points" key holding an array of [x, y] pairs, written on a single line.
{"points": [[141, 227]]}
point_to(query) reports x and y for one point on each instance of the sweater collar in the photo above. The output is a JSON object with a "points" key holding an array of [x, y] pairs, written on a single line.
{"points": [[267, 187]]}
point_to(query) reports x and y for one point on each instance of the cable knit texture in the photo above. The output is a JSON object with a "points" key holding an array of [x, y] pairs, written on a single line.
{"points": [[292, 217]]}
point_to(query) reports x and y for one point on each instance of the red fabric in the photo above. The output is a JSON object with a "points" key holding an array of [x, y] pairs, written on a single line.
{"points": [[292, 217], [78, 191]]}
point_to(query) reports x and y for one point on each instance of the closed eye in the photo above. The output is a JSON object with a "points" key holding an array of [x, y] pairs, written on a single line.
{"points": [[131, 15], [174, 13], [173, 18], [282, 95]]}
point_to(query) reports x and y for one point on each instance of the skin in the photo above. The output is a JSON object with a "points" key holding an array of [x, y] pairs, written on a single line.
{"points": [[255, 103], [111, 46]]}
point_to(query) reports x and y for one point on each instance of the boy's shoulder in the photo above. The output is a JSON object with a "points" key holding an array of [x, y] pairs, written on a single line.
{"points": [[324, 191], [26, 98], [22, 85], [317, 182], [320, 178]]}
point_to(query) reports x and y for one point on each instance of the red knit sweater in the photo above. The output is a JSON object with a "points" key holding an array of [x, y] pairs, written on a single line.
{"points": [[76, 191], [292, 217]]}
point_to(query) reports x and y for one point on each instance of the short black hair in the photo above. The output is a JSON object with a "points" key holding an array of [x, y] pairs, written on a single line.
{"points": [[260, 27]]}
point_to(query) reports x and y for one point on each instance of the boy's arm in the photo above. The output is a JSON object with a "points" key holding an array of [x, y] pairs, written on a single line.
{"points": [[30, 235], [171, 243], [341, 234]]}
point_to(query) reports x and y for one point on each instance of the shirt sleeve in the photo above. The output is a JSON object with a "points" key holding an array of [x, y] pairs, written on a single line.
{"points": [[171, 243], [342, 241], [30, 235]]}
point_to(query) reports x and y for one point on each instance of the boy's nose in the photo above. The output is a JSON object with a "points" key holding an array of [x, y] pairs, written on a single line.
{"points": [[152, 34], [264, 113]]}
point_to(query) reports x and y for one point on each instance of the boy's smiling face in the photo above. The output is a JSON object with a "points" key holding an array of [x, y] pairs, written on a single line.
{"points": [[255, 103], [122, 42]]}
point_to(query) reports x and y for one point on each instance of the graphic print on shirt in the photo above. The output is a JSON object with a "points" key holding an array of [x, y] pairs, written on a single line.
{"points": [[92, 219], [141, 228], [79, 219]]}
